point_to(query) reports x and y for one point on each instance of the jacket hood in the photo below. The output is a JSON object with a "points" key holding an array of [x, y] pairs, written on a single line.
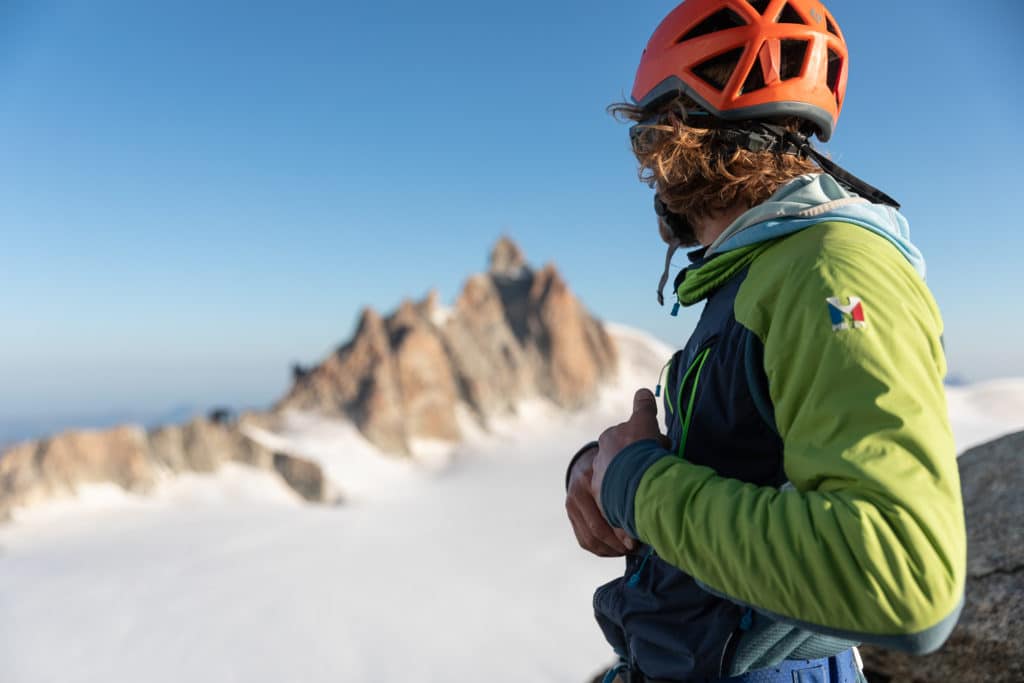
{"points": [[809, 200]]}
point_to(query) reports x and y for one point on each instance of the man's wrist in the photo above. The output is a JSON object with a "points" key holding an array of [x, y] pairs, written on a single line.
{"points": [[622, 479], [575, 458]]}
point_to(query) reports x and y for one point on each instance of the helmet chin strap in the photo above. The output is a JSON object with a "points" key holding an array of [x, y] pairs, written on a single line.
{"points": [[681, 233], [673, 247]]}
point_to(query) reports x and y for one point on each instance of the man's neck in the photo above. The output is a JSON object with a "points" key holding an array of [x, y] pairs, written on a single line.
{"points": [[708, 228]]}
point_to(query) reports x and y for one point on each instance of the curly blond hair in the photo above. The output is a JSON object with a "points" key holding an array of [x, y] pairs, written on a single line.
{"points": [[697, 174]]}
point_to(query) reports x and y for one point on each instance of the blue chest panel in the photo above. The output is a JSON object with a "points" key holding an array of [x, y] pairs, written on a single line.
{"points": [[729, 429]]}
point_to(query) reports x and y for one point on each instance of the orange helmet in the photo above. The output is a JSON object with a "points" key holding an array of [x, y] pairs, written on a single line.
{"points": [[780, 57]]}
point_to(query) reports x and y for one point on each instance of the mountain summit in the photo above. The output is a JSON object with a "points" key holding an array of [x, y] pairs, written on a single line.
{"points": [[513, 333], [507, 259]]}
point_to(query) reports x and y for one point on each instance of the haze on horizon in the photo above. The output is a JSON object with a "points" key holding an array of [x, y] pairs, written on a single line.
{"points": [[195, 197]]}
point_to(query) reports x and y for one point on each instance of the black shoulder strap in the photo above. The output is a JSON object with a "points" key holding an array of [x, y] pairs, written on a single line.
{"points": [[767, 137], [844, 177], [850, 181]]}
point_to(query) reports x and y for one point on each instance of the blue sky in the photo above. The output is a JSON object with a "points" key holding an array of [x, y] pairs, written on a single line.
{"points": [[195, 194]]}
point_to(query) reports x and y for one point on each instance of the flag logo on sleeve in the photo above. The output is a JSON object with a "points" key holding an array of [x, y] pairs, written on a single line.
{"points": [[845, 316]]}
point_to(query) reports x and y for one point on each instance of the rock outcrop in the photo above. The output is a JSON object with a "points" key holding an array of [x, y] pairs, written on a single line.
{"points": [[513, 333], [37, 470], [305, 478], [987, 642], [136, 460]]}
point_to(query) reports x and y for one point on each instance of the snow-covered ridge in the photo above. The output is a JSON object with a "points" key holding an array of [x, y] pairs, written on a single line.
{"points": [[361, 470], [351, 465]]}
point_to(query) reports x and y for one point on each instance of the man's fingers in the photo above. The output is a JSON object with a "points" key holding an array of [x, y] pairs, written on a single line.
{"points": [[600, 528], [588, 539], [608, 434], [592, 531], [625, 539]]}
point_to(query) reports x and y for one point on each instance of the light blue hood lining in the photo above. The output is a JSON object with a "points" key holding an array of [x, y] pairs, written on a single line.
{"points": [[812, 199]]}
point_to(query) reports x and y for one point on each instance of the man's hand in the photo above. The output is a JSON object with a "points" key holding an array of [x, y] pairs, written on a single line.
{"points": [[592, 531], [642, 425]]}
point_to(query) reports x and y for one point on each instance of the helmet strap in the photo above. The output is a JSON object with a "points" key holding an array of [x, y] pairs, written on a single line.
{"points": [[755, 140], [682, 233], [673, 247], [768, 137], [845, 178]]}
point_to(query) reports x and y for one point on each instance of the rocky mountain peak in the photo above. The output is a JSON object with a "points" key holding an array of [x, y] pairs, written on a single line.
{"points": [[507, 259], [430, 306], [513, 333], [370, 324]]}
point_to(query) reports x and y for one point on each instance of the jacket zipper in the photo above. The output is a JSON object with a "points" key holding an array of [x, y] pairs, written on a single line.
{"points": [[694, 371]]}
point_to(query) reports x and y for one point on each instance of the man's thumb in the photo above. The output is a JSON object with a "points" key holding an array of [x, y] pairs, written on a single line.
{"points": [[645, 404]]}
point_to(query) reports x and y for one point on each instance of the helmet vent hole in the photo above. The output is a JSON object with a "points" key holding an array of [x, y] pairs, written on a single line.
{"points": [[835, 64], [793, 54], [759, 5], [722, 20], [755, 80], [790, 16], [717, 71], [831, 27]]}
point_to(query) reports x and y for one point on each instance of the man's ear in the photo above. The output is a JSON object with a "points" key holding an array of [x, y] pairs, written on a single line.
{"points": [[676, 224]]}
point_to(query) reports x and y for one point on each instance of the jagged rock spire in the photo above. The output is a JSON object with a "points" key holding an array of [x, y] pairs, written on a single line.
{"points": [[507, 259]]}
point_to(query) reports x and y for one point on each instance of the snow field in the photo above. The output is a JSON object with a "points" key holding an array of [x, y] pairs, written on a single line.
{"points": [[456, 566]]}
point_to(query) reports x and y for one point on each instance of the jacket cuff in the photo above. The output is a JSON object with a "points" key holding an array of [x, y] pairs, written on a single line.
{"points": [[622, 479], [579, 454]]}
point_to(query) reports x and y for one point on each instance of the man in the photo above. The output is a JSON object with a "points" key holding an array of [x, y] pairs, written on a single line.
{"points": [[805, 497]]}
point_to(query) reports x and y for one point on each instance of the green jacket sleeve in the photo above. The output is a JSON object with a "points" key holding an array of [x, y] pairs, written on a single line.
{"points": [[869, 542]]}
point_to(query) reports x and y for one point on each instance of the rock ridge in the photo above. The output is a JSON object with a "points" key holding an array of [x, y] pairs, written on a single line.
{"points": [[513, 333], [137, 460]]}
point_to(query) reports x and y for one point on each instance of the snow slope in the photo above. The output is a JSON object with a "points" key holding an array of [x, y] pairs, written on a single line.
{"points": [[985, 411], [457, 567]]}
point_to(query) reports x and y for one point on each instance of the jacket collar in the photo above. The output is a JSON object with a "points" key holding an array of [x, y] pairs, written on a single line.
{"points": [[707, 273]]}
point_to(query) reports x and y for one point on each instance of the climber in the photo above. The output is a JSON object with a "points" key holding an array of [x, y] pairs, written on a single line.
{"points": [[804, 497]]}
